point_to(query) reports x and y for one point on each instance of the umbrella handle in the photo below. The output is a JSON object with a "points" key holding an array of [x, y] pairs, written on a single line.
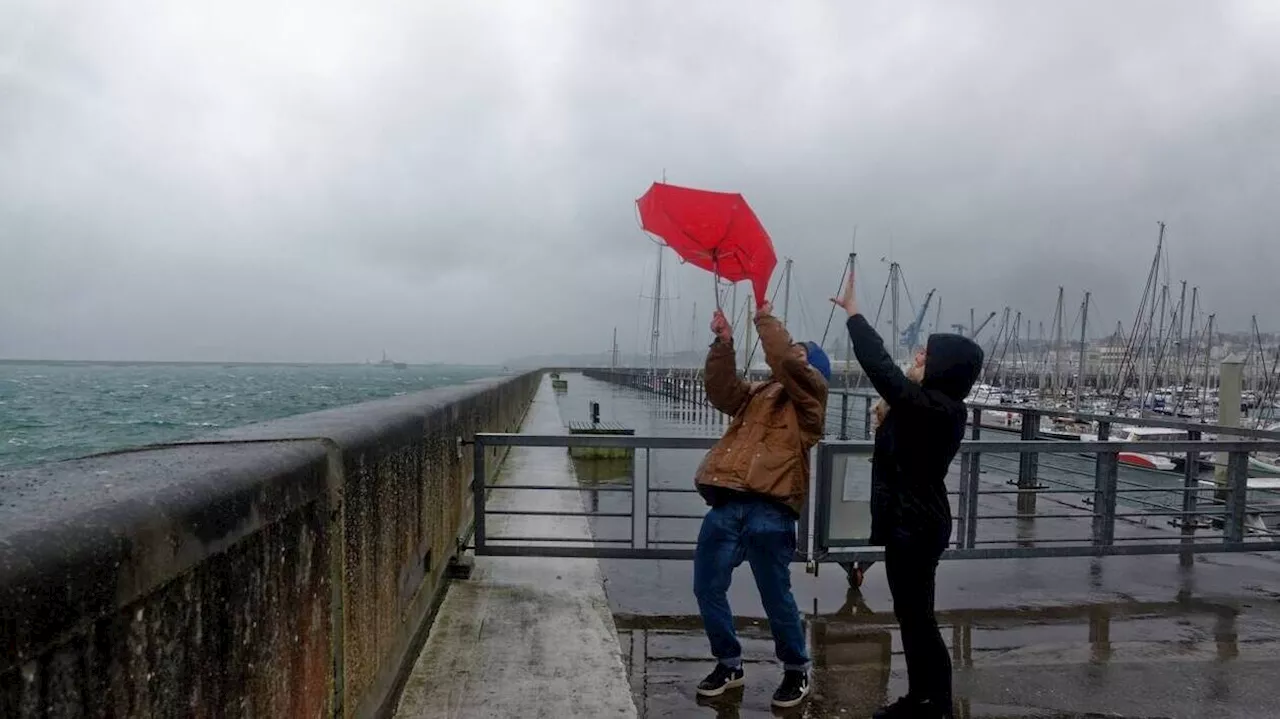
{"points": [[715, 277]]}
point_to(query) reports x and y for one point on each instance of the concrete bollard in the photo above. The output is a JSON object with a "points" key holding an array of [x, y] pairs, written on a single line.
{"points": [[1230, 394]]}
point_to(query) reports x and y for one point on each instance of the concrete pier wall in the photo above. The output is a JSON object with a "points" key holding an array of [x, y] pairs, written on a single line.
{"points": [[285, 569]]}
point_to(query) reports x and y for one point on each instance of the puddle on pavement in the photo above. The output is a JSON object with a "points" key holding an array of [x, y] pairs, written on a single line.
{"points": [[1085, 654]]}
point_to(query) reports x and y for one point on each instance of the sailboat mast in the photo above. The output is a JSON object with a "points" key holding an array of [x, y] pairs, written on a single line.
{"points": [[733, 315], [1164, 302], [848, 343], [895, 338], [657, 318], [1084, 324], [1057, 347], [1182, 321], [1018, 326], [693, 330], [1208, 349], [613, 354], [786, 291], [1043, 379], [1148, 363], [1191, 333]]}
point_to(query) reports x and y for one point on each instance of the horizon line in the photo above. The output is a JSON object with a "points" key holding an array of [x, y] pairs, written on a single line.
{"points": [[282, 363]]}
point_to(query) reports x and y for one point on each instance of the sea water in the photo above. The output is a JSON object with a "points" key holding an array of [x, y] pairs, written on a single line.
{"points": [[51, 410]]}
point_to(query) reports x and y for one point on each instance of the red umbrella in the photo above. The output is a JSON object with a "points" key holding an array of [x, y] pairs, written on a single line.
{"points": [[716, 231]]}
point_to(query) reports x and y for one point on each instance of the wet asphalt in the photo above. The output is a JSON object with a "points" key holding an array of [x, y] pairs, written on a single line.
{"points": [[1062, 637]]}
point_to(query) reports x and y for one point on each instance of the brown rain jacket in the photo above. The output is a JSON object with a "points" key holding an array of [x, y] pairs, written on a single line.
{"points": [[775, 423]]}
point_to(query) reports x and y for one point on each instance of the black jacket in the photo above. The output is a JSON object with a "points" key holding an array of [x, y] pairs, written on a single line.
{"points": [[919, 437]]}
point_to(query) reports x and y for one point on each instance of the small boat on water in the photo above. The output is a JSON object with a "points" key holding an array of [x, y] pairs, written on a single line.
{"points": [[1268, 465], [1065, 428], [985, 394], [1147, 460], [1262, 495], [387, 362], [1264, 463]]}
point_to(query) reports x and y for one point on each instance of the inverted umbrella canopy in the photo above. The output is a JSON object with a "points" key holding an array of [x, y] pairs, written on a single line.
{"points": [[716, 231]]}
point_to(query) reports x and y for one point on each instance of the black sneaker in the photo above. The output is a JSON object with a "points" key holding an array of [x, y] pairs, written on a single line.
{"points": [[910, 708], [904, 708], [793, 690], [720, 679]]}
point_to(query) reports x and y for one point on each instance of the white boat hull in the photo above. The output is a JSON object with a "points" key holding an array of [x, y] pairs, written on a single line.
{"points": [[1259, 466]]}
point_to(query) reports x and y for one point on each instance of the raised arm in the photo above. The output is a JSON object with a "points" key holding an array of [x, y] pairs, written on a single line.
{"points": [[804, 385], [889, 380], [725, 390]]}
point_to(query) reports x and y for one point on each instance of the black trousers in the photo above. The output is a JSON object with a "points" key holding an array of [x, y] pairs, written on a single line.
{"points": [[912, 574]]}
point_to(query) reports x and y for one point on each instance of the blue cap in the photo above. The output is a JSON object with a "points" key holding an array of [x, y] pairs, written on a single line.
{"points": [[818, 360]]}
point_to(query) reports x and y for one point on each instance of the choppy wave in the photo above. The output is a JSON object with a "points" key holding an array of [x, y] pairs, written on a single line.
{"points": [[56, 412]]}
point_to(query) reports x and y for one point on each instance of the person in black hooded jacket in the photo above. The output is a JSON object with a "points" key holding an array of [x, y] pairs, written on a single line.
{"points": [[911, 515]]}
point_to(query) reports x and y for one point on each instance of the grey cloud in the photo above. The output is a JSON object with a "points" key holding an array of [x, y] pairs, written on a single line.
{"points": [[249, 181]]}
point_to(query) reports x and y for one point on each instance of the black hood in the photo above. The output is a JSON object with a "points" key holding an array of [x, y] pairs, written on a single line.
{"points": [[952, 364]]}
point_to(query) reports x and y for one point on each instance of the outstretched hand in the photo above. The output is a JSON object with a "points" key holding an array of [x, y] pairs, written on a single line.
{"points": [[848, 300], [720, 327]]}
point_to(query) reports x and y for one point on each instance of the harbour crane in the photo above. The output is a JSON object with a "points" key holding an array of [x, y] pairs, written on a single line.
{"points": [[911, 335], [964, 330], [982, 326]]}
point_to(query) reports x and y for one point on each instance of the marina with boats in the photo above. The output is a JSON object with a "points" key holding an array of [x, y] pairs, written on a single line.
{"points": [[1170, 374]]}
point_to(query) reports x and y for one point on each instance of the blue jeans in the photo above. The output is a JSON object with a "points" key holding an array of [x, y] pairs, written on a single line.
{"points": [[764, 534]]}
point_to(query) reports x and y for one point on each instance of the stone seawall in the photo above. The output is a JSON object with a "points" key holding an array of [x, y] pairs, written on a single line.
{"points": [[284, 569]]}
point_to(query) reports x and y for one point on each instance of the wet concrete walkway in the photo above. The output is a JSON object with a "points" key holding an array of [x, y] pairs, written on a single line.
{"points": [[525, 637]]}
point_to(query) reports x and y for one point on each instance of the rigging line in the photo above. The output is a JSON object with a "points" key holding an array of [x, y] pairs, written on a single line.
{"points": [[802, 322], [1273, 382], [1004, 332], [1075, 322], [1265, 392], [1190, 367], [751, 354], [863, 380], [1005, 350], [1097, 312], [639, 309], [990, 355], [1262, 350], [1129, 361], [865, 296], [1069, 333], [1273, 378], [844, 274], [1019, 360], [850, 359], [806, 319], [876, 325], [807, 315], [1163, 353], [910, 302]]}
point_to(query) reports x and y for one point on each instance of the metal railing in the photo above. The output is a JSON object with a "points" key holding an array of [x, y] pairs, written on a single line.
{"points": [[1171, 514], [1222, 509], [638, 544]]}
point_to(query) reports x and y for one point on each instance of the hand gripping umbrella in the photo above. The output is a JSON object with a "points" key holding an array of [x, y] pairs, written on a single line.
{"points": [[716, 231]]}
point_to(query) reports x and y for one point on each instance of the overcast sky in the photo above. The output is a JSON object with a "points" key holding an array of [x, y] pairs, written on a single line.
{"points": [[323, 180]]}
